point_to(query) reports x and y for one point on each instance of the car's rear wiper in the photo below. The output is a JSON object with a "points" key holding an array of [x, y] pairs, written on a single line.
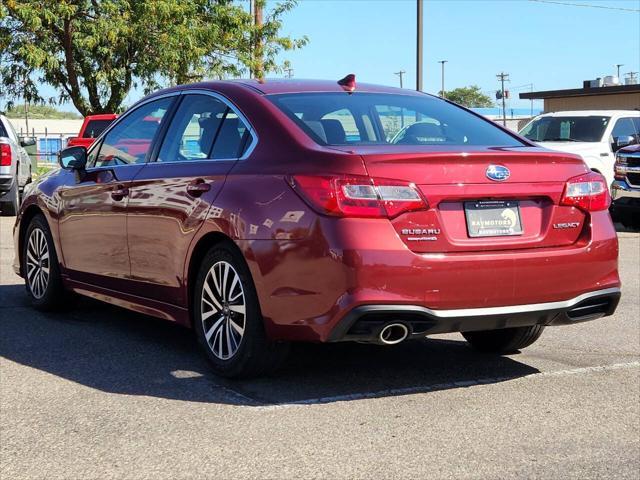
{"points": [[567, 139]]}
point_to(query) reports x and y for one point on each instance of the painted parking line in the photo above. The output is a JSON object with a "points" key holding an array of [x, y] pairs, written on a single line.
{"points": [[443, 386]]}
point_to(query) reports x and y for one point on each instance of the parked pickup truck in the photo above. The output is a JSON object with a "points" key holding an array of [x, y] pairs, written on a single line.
{"points": [[595, 135], [92, 127], [15, 167], [625, 189]]}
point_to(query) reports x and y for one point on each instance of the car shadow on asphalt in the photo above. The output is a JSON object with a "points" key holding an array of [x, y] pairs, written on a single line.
{"points": [[113, 350]]}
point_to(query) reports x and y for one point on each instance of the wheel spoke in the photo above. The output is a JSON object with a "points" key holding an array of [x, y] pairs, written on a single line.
{"points": [[224, 281], [237, 308], [236, 327], [210, 294], [230, 350], [214, 327], [31, 257]]}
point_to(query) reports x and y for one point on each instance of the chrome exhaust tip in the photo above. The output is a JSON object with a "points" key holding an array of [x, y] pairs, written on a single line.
{"points": [[393, 333]]}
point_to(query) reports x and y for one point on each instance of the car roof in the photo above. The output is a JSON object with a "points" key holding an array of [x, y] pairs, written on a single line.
{"points": [[102, 116], [283, 85], [589, 113]]}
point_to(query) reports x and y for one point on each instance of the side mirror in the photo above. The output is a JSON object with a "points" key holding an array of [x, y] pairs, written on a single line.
{"points": [[73, 158], [623, 141], [27, 141]]}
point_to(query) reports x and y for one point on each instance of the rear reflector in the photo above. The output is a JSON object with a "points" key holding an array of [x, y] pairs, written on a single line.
{"points": [[358, 196], [588, 192], [5, 155]]}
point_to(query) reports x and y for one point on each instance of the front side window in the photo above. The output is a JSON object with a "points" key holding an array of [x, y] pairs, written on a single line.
{"points": [[566, 129], [624, 127], [388, 119], [130, 140]]}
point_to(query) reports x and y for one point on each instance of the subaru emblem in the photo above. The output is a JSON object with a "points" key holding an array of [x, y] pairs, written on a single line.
{"points": [[497, 173]]}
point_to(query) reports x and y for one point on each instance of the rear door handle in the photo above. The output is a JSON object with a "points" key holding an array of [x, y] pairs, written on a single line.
{"points": [[198, 187], [119, 192]]}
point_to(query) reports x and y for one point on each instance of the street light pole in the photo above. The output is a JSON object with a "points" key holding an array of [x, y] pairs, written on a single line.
{"points": [[400, 74], [618, 65], [442, 62], [419, 46], [502, 77]]}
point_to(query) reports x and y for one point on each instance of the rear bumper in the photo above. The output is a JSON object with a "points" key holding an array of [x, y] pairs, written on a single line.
{"points": [[364, 323], [6, 183], [307, 288]]}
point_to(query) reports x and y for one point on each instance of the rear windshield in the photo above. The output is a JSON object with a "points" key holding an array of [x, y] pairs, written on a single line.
{"points": [[388, 119], [95, 128], [566, 129]]}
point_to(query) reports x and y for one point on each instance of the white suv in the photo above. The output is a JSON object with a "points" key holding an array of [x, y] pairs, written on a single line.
{"points": [[15, 167], [595, 135]]}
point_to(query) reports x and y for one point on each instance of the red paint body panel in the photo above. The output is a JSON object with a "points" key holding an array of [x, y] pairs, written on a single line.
{"points": [[310, 270]]}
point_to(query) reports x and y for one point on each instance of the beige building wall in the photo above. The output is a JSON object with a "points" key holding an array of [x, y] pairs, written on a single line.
{"points": [[57, 127], [622, 101]]}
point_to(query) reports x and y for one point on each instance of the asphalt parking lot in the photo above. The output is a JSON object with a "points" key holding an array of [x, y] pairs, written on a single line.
{"points": [[100, 392]]}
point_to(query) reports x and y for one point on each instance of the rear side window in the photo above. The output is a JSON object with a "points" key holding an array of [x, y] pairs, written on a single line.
{"points": [[388, 119], [3, 132], [566, 129], [204, 128], [193, 129], [233, 138], [95, 128]]}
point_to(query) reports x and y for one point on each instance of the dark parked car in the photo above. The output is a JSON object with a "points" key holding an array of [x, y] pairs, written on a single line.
{"points": [[261, 213], [625, 189]]}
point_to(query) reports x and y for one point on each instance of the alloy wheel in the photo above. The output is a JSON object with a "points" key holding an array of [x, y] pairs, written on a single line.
{"points": [[223, 310], [38, 265]]}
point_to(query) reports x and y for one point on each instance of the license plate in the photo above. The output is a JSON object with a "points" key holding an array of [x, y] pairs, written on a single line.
{"points": [[493, 218]]}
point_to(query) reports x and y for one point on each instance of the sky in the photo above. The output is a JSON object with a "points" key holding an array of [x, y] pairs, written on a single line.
{"points": [[550, 45]]}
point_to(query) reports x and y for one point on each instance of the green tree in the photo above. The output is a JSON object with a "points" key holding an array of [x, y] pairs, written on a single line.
{"points": [[470, 96], [39, 111], [94, 51]]}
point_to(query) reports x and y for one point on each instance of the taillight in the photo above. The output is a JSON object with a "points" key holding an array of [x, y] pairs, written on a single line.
{"points": [[5, 155], [619, 168], [358, 196], [588, 192]]}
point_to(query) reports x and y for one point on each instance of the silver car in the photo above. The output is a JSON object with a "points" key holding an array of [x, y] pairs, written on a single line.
{"points": [[15, 167]]}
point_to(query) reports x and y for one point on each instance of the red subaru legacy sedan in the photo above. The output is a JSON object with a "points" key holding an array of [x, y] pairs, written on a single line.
{"points": [[261, 213]]}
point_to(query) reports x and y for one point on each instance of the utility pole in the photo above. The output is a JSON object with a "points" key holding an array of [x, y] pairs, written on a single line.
{"points": [[632, 76], [442, 62], [257, 69], [618, 65], [503, 77], [26, 105], [400, 74], [419, 45], [289, 72]]}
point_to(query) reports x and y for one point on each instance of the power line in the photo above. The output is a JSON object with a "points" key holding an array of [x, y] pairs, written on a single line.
{"points": [[567, 4]]}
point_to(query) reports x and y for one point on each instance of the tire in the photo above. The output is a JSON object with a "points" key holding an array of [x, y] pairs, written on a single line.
{"points": [[227, 318], [12, 203], [506, 340], [41, 268]]}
